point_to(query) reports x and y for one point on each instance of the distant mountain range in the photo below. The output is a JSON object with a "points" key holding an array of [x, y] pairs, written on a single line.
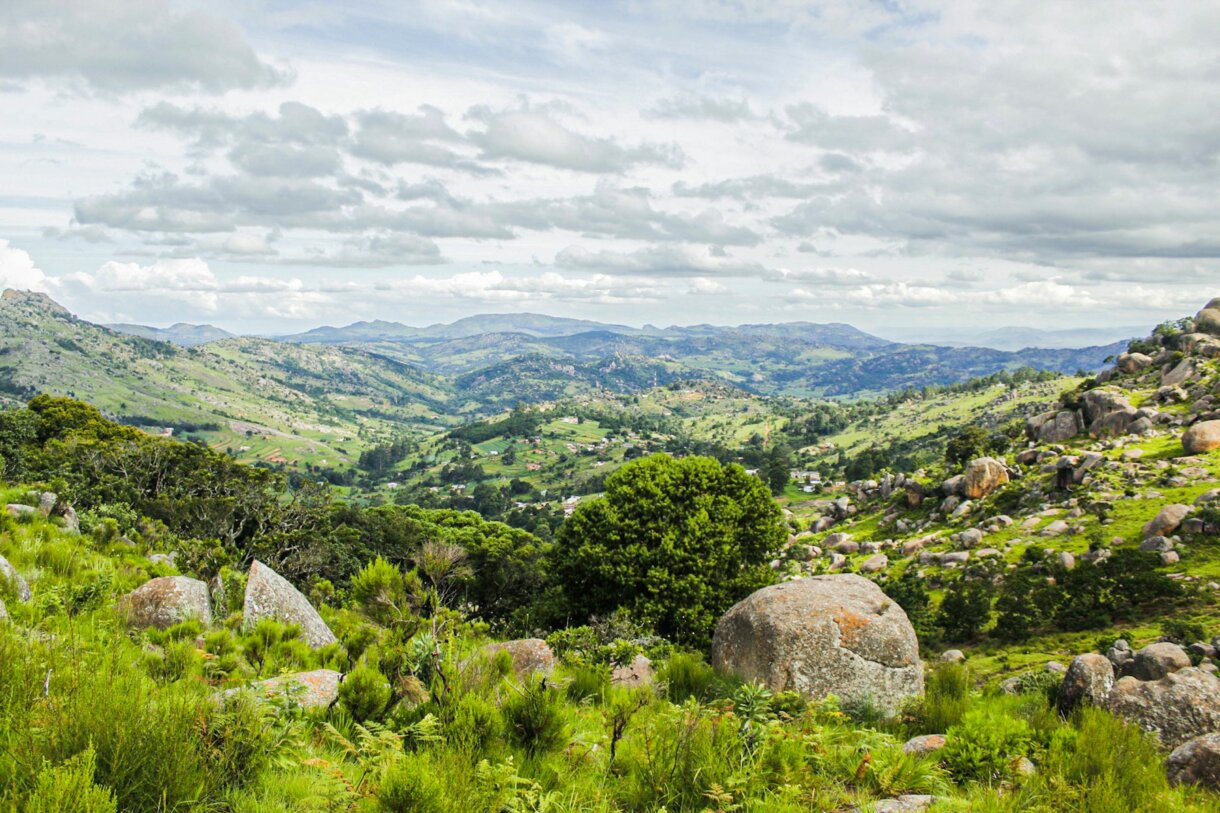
{"points": [[180, 334], [1017, 338]]}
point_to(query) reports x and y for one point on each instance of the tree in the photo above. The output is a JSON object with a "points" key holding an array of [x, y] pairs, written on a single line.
{"points": [[966, 608], [966, 445], [677, 542]]}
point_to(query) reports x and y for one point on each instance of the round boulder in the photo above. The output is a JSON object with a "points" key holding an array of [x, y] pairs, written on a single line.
{"points": [[1178, 707], [984, 476], [1155, 661], [823, 635], [636, 674], [1166, 521], [1208, 319], [529, 655], [1196, 762], [318, 689], [1089, 678], [9, 574], [167, 600], [1202, 437]]}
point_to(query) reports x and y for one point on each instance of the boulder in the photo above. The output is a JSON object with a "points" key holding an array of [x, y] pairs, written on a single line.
{"points": [[1178, 707], [1208, 319], [21, 588], [1166, 521], [529, 655], [875, 563], [167, 600], [983, 476], [3, 611], [318, 689], [954, 486], [1202, 437], [1196, 762], [1089, 679], [1155, 661], [906, 803], [270, 595], [1055, 427], [18, 511], [1183, 372], [952, 656], [926, 744], [970, 538], [1133, 362], [633, 675], [836, 634]]}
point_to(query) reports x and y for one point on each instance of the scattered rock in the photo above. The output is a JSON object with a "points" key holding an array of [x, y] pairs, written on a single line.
{"points": [[1089, 679], [822, 635], [1155, 661], [20, 586], [1202, 437], [1166, 521], [1196, 762], [983, 476], [635, 674], [875, 564], [167, 600], [952, 656], [907, 803], [529, 655], [270, 595], [926, 744]]}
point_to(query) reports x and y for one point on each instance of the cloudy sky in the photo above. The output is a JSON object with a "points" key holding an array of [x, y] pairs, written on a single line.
{"points": [[267, 165]]}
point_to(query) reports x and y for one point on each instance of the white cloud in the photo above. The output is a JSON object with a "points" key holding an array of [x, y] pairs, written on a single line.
{"points": [[17, 270]]}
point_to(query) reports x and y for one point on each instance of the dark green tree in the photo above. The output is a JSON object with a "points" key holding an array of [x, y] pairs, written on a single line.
{"points": [[677, 542]]}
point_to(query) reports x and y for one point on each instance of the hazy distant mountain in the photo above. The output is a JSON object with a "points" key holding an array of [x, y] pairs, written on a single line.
{"points": [[1017, 338], [181, 334], [529, 324]]}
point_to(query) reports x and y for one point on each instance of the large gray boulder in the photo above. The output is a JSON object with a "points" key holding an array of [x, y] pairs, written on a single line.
{"points": [[167, 600], [9, 574], [1055, 427], [318, 689], [269, 595], [1178, 707], [1089, 679], [1208, 319], [823, 635], [1196, 762], [1155, 661]]}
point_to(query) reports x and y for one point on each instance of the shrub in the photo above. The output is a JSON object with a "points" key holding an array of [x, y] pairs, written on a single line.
{"points": [[69, 788], [945, 700], [587, 681], [983, 746], [364, 693], [534, 718], [472, 724], [685, 675], [1183, 632], [412, 785]]}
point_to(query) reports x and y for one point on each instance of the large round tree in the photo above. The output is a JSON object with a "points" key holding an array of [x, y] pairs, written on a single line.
{"points": [[677, 542]]}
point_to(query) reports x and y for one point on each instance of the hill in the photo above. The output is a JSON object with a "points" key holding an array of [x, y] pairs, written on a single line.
{"points": [[180, 334]]}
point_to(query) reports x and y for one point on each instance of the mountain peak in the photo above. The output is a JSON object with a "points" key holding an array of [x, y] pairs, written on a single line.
{"points": [[33, 299]]}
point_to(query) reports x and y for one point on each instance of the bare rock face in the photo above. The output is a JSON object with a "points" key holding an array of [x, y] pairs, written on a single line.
{"points": [[823, 635], [634, 675], [311, 690], [1155, 661], [1202, 437], [9, 574], [168, 600], [529, 655], [1178, 707], [1089, 679], [1166, 521], [269, 595], [984, 476], [1196, 762]]}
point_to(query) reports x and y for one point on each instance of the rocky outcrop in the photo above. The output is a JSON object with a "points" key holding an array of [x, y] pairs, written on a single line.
{"points": [[1089, 679], [1055, 427], [1196, 762], [1132, 362], [165, 601], [529, 655], [1208, 319], [269, 595], [1178, 707], [823, 635], [1202, 437], [983, 476], [20, 587]]}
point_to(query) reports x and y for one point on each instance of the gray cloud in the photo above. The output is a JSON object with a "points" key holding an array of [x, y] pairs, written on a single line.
{"points": [[116, 46], [424, 137], [537, 137], [702, 108], [655, 260]]}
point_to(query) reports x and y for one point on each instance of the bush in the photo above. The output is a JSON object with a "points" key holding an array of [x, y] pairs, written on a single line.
{"points": [[588, 681], [472, 724], [685, 675], [69, 788], [534, 718], [364, 693], [412, 785], [1183, 632], [983, 746]]}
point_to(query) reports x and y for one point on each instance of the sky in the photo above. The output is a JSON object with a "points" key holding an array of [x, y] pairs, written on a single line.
{"points": [[267, 166]]}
